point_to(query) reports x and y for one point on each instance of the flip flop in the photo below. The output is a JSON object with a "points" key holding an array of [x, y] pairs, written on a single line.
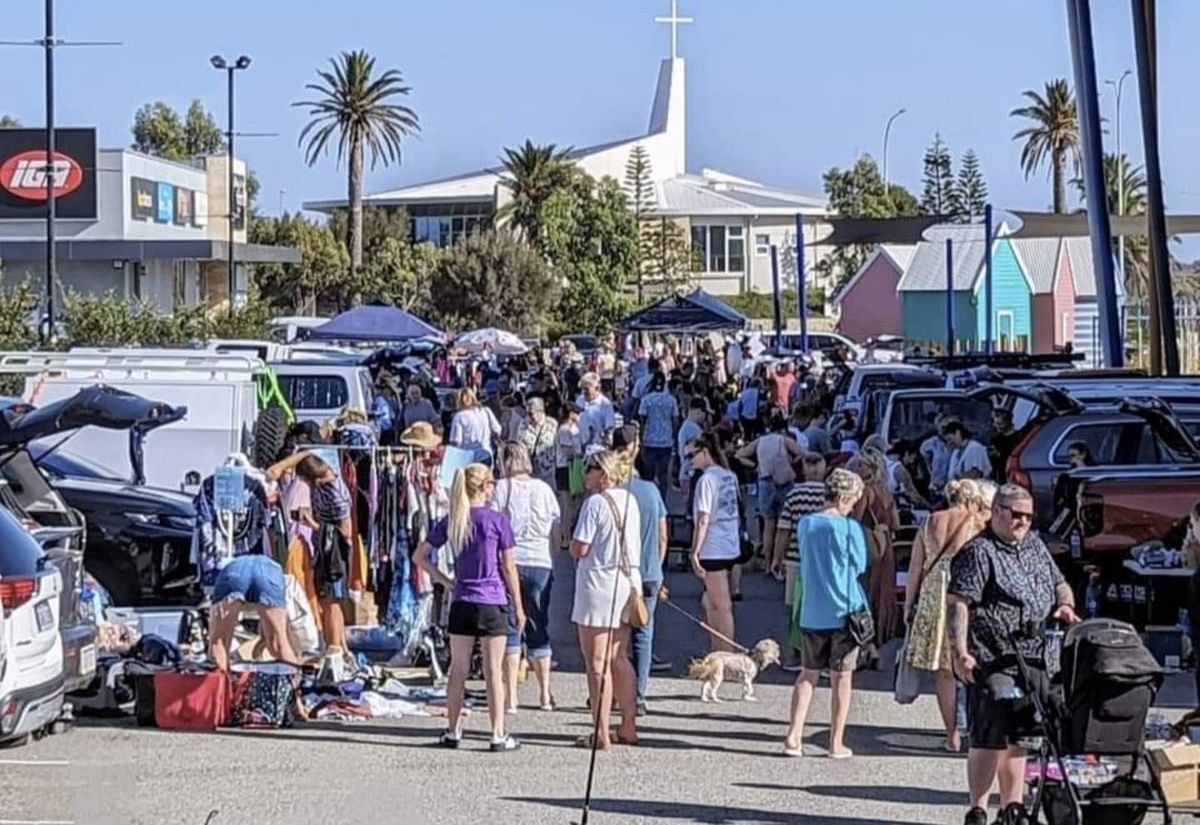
{"points": [[585, 742], [846, 754], [794, 753]]}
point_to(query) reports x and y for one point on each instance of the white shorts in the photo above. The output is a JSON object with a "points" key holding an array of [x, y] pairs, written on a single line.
{"points": [[789, 587]]}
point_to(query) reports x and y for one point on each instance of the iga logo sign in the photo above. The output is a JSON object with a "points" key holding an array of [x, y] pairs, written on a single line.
{"points": [[24, 175]]}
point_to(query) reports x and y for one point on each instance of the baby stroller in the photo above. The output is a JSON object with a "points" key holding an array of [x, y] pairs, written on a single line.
{"points": [[1097, 705]]}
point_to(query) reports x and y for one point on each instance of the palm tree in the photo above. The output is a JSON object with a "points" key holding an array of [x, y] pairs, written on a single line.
{"points": [[532, 174], [353, 110], [1126, 184], [1054, 134]]}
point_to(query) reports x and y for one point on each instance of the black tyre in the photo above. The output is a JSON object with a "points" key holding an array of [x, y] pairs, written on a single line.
{"points": [[270, 433]]}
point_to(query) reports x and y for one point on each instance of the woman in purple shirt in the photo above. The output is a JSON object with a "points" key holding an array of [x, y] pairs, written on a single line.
{"points": [[485, 584]]}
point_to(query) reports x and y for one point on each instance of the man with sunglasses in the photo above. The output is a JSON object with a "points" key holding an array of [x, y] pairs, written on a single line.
{"points": [[1002, 582]]}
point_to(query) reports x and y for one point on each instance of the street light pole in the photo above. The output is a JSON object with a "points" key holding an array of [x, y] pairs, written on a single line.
{"points": [[887, 134], [51, 253], [220, 63], [1118, 87]]}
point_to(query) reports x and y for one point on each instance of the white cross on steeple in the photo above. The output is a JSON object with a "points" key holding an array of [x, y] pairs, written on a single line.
{"points": [[674, 20]]}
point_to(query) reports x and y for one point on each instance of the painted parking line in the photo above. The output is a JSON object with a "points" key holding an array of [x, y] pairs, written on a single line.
{"points": [[47, 762], [37, 822]]}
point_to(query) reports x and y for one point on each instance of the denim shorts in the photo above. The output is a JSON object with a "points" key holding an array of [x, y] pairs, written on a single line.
{"points": [[770, 497], [535, 597], [251, 579]]}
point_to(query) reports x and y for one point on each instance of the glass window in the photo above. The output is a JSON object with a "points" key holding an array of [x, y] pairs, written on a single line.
{"points": [[716, 249], [1103, 440], [762, 244], [700, 242], [737, 252], [315, 392]]}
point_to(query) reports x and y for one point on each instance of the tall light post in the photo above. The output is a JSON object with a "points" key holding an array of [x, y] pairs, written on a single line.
{"points": [[221, 64], [887, 134], [1118, 87]]}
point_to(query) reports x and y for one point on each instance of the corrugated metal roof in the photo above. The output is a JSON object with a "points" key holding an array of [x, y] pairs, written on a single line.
{"points": [[1040, 259], [901, 253], [1080, 250], [927, 271], [699, 195]]}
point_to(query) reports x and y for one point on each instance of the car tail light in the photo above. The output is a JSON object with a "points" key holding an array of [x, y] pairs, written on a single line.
{"points": [[15, 592], [1012, 468], [1090, 514], [8, 716]]}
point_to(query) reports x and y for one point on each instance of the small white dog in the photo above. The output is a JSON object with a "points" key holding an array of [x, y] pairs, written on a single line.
{"points": [[716, 667]]}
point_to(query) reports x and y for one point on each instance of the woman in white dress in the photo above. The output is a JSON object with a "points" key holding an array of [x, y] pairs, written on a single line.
{"points": [[474, 426], [606, 545]]}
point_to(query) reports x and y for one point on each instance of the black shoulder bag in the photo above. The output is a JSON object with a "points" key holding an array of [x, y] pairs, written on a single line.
{"points": [[859, 623]]}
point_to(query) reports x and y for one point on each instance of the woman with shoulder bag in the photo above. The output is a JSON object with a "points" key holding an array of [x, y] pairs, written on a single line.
{"points": [[834, 618], [940, 538], [608, 594]]}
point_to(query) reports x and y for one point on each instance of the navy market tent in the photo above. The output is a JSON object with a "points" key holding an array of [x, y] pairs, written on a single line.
{"points": [[695, 312], [374, 322]]}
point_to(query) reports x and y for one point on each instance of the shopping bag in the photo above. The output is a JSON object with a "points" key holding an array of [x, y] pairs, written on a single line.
{"points": [[191, 700], [264, 696], [302, 623], [575, 476], [908, 679]]}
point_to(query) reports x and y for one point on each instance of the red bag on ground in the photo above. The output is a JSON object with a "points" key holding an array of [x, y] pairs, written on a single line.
{"points": [[191, 701]]}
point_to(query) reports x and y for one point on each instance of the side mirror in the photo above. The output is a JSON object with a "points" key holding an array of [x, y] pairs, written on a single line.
{"points": [[192, 479]]}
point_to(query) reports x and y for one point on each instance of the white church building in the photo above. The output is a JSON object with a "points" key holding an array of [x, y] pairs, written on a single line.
{"points": [[732, 221]]}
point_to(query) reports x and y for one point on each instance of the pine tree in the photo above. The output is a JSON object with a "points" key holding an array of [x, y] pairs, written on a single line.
{"points": [[639, 188], [937, 198], [970, 190]]}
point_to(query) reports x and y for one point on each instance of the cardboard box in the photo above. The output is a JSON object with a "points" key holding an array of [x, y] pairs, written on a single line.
{"points": [[1178, 770]]}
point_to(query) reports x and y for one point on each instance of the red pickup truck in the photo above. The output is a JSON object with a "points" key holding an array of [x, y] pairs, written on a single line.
{"points": [[1121, 508]]}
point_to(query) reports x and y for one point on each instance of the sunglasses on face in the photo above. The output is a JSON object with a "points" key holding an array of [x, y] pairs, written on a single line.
{"points": [[1026, 515], [691, 454]]}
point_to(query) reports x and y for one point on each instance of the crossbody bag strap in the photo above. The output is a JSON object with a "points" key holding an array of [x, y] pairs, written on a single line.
{"points": [[619, 524]]}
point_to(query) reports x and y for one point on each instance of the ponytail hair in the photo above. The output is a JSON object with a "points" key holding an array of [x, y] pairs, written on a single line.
{"points": [[616, 466], [469, 482], [712, 445]]}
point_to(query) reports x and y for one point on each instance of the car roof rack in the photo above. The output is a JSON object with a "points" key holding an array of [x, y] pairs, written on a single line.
{"points": [[102, 363], [1013, 360]]}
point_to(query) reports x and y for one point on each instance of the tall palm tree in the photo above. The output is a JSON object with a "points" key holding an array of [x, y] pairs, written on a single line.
{"points": [[354, 111], [532, 174], [1054, 134]]}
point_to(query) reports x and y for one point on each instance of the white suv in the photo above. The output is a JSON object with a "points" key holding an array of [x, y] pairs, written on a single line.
{"points": [[31, 648]]}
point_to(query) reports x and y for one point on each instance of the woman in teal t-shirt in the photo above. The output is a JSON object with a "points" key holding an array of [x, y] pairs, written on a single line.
{"points": [[833, 555]]}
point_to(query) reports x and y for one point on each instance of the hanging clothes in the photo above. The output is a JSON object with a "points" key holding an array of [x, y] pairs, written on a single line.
{"points": [[213, 544]]}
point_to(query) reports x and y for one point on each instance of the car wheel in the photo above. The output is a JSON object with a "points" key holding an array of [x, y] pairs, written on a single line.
{"points": [[117, 574], [270, 433]]}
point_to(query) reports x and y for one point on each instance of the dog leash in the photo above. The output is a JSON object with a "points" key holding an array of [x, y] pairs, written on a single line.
{"points": [[706, 626]]}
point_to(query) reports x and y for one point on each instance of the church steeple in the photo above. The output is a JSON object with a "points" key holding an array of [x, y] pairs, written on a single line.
{"points": [[669, 114]]}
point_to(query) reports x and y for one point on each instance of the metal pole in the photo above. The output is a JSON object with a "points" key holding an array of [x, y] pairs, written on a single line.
{"points": [[229, 197], [887, 133], [51, 252], [1145, 47], [950, 296], [989, 339], [1083, 58], [775, 298], [801, 283]]}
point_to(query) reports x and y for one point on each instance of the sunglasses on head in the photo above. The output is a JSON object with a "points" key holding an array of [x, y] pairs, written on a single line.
{"points": [[691, 454]]}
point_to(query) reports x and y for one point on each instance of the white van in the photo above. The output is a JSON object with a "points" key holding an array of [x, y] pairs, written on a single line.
{"points": [[219, 392]]}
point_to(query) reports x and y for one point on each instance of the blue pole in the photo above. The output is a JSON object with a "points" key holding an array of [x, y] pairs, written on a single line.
{"points": [[1083, 59], [989, 340], [801, 284], [949, 296], [775, 297]]}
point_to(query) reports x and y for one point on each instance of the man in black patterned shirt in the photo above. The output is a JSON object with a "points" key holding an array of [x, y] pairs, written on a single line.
{"points": [[1002, 581]]}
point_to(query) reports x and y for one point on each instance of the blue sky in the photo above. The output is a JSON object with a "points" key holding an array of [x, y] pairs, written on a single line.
{"points": [[779, 90]]}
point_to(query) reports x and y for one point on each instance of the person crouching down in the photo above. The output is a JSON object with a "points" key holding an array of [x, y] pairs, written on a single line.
{"points": [[833, 557], [486, 578], [250, 581]]}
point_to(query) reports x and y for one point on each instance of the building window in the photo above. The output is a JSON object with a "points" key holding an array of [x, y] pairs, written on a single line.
{"points": [[762, 244], [722, 248], [447, 225]]}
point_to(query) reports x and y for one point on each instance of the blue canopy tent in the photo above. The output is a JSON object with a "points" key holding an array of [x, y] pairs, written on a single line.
{"points": [[375, 322], [694, 313]]}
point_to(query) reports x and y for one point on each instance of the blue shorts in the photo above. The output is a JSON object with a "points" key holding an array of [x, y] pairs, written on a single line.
{"points": [[535, 597], [251, 579], [770, 497]]}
